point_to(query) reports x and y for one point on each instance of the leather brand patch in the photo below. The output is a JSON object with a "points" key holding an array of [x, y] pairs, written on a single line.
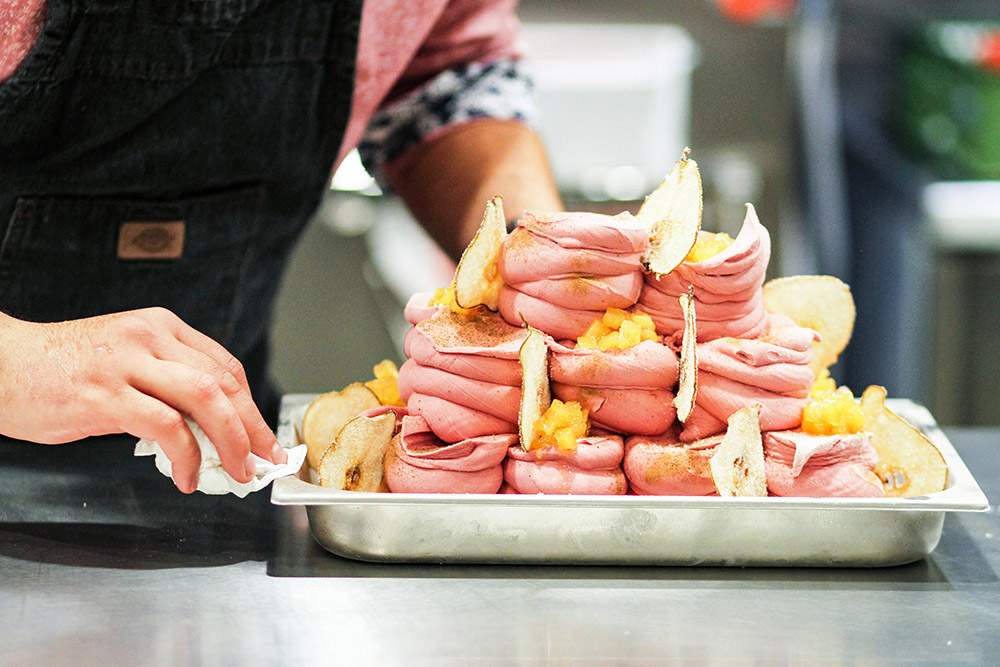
{"points": [[151, 240]]}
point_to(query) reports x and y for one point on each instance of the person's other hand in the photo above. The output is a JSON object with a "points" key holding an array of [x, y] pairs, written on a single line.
{"points": [[136, 372]]}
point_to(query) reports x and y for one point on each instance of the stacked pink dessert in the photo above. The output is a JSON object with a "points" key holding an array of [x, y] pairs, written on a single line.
{"points": [[561, 273], [461, 383], [727, 288], [799, 464], [735, 372], [593, 468], [624, 391], [745, 355], [420, 462]]}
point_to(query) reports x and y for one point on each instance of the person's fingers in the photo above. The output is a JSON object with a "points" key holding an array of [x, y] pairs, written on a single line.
{"points": [[197, 393], [146, 417], [262, 440], [139, 372], [208, 346]]}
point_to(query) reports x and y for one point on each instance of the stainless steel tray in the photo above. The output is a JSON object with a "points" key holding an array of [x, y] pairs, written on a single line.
{"points": [[630, 530]]}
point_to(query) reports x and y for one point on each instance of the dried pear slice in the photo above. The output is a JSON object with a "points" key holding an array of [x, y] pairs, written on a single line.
{"points": [[909, 464], [738, 463], [353, 461], [328, 413], [687, 383], [672, 215], [536, 395], [821, 303], [477, 278]]}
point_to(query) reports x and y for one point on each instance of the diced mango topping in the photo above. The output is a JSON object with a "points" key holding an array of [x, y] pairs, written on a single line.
{"points": [[708, 245], [618, 329], [445, 296], [561, 426], [833, 412], [384, 385], [823, 385]]}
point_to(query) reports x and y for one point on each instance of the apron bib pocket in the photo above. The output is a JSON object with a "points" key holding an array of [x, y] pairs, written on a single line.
{"points": [[188, 255]]}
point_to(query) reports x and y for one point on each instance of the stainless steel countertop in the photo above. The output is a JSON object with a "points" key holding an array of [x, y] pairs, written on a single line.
{"points": [[129, 571]]}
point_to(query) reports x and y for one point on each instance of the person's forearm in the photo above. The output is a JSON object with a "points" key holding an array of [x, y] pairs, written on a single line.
{"points": [[447, 182]]}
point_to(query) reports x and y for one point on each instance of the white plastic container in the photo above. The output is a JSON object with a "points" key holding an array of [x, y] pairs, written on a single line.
{"points": [[615, 103]]}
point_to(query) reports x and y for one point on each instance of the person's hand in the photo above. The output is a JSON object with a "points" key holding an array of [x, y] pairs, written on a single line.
{"points": [[136, 372]]}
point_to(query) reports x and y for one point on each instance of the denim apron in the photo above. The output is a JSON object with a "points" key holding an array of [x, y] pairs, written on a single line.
{"points": [[162, 152], [169, 153]]}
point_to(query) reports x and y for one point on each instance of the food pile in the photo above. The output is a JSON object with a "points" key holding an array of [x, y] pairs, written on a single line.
{"points": [[592, 354]]}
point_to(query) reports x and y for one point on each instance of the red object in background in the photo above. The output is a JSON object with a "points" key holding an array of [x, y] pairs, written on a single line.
{"points": [[989, 51], [755, 11]]}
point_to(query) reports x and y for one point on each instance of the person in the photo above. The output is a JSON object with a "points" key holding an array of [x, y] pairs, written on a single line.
{"points": [[159, 160]]}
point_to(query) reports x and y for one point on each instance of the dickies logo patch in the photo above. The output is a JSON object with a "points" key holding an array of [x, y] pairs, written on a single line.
{"points": [[151, 240]]}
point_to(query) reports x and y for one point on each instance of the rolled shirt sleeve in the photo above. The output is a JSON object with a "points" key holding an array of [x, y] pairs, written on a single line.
{"points": [[461, 62], [500, 89]]}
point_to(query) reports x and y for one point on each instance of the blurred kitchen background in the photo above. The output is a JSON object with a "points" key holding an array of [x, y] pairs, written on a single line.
{"points": [[865, 132]]}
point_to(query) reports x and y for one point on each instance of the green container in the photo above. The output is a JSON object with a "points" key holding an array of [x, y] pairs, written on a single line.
{"points": [[949, 101]]}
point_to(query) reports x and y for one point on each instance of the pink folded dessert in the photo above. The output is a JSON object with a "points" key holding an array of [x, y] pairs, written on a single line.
{"points": [[664, 466], [498, 400], [469, 361], [398, 411], [624, 391], [419, 462], [821, 466], [463, 374], [418, 307], [772, 370], [593, 468], [561, 271], [727, 289]]}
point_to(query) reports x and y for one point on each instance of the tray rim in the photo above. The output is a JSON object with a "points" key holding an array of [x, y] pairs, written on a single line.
{"points": [[962, 494]]}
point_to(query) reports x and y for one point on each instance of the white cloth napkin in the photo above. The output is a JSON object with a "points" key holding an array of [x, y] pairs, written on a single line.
{"points": [[212, 479]]}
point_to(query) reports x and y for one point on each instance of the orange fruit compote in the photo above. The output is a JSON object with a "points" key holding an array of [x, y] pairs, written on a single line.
{"points": [[708, 245], [445, 296], [561, 426], [832, 410], [618, 329], [385, 386]]}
